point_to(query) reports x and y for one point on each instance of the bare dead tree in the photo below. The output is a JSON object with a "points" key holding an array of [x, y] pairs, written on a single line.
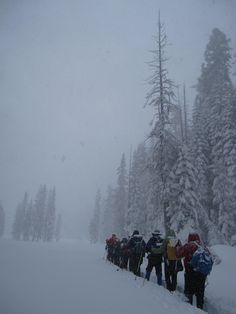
{"points": [[161, 98]]}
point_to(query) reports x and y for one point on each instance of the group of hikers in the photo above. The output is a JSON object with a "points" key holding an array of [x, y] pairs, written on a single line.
{"points": [[128, 253]]}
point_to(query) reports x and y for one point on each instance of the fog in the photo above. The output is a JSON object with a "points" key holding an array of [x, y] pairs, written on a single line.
{"points": [[73, 86]]}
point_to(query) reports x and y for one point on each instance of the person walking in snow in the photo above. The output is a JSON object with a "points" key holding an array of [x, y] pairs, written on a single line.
{"points": [[136, 245], [116, 252], [194, 280], [154, 248], [110, 244], [124, 253], [171, 264]]}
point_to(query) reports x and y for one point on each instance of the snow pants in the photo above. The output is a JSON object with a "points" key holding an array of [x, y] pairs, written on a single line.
{"points": [[135, 263], [157, 263], [170, 275], [195, 285], [109, 254], [124, 261]]}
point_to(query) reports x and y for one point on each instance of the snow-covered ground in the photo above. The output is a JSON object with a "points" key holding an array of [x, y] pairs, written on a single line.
{"points": [[71, 277]]}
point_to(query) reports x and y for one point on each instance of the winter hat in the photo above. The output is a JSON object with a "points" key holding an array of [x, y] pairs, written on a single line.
{"points": [[156, 233], [194, 237], [136, 232]]}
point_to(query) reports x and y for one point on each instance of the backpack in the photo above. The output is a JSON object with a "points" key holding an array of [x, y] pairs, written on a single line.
{"points": [[170, 249], [202, 261], [156, 248], [138, 248]]}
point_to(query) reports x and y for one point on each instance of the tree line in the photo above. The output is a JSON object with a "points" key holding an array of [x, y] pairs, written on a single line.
{"points": [[183, 176], [37, 220]]}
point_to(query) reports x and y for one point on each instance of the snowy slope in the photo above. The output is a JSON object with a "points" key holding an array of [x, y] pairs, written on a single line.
{"points": [[71, 277], [221, 291]]}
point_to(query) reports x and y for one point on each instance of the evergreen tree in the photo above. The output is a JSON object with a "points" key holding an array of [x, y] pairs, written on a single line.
{"points": [[120, 198], [2, 220], [19, 221], [94, 226], [214, 133], [185, 118], [50, 215], [201, 157], [28, 222], [184, 206], [225, 182], [39, 213], [136, 217]]}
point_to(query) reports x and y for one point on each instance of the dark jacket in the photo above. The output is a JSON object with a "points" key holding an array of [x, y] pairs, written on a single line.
{"points": [[132, 244], [155, 248], [124, 249]]}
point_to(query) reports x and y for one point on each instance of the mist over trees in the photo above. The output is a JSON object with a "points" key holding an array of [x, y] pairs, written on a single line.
{"points": [[95, 222], [2, 220], [36, 220], [183, 176]]}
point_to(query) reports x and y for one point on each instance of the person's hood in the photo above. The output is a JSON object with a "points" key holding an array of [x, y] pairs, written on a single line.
{"points": [[136, 232], [194, 237]]}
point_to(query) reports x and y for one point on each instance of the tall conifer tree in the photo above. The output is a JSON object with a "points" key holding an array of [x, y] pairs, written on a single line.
{"points": [[214, 133], [120, 198]]}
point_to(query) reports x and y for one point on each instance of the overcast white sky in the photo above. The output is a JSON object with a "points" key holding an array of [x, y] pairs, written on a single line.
{"points": [[72, 89]]}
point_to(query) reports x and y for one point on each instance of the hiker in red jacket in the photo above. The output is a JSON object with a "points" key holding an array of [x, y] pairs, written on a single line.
{"points": [[194, 281], [110, 247]]}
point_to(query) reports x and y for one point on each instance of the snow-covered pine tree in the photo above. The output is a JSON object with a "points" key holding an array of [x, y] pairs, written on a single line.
{"points": [[161, 98], [227, 206], [94, 226], [39, 213], [136, 216], [200, 149], [28, 222], [185, 213], [214, 111], [50, 215], [178, 119], [2, 220], [120, 198], [185, 117], [18, 224], [184, 207]]}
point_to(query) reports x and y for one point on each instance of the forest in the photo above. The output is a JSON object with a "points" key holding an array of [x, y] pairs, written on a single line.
{"points": [[183, 175]]}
